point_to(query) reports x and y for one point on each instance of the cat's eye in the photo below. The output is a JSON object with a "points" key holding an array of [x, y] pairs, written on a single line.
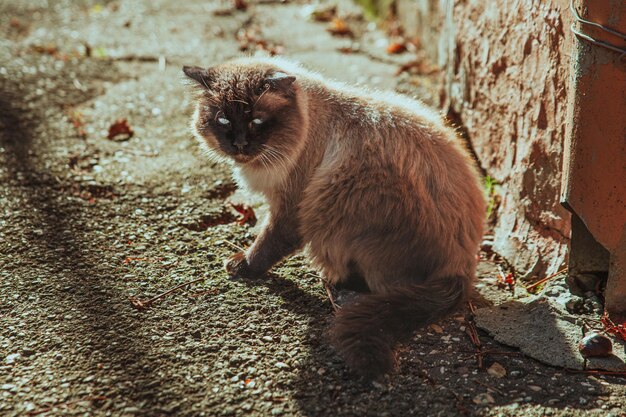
{"points": [[263, 88], [223, 121], [257, 121]]}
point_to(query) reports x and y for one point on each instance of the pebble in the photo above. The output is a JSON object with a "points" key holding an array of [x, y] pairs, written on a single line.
{"points": [[483, 398], [281, 365], [496, 370], [595, 345], [12, 358]]}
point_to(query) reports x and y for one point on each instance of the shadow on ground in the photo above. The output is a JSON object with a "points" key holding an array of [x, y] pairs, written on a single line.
{"points": [[57, 242]]}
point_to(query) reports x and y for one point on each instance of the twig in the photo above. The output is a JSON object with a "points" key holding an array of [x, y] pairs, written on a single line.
{"points": [[596, 372], [212, 291], [233, 245], [494, 389], [493, 352], [142, 305], [546, 279], [330, 297], [472, 332]]}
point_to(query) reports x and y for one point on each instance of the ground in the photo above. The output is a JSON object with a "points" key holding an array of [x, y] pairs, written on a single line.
{"points": [[89, 222]]}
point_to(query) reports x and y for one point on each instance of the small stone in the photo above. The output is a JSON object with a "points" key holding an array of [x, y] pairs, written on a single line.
{"points": [[483, 399], [12, 358], [267, 339], [534, 388], [281, 365], [496, 370], [277, 411], [595, 345], [28, 352], [89, 378], [7, 387], [131, 410]]}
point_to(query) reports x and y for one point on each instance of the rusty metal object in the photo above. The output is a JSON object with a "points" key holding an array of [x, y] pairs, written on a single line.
{"points": [[594, 168]]}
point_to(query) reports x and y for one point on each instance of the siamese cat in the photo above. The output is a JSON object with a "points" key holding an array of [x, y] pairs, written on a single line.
{"points": [[375, 185]]}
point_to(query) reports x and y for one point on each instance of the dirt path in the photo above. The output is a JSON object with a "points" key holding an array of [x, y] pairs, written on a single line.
{"points": [[88, 222]]}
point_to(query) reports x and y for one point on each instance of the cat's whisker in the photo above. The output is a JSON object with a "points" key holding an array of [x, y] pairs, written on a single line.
{"points": [[277, 158], [259, 98], [240, 101]]}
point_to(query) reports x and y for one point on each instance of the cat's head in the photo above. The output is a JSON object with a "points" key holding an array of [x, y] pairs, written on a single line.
{"points": [[248, 113]]}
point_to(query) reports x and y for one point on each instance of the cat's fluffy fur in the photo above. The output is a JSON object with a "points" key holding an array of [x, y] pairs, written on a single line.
{"points": [[374, 184]]}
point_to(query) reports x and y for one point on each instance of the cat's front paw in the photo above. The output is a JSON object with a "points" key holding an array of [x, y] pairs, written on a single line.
{"points": [[236, 266]]}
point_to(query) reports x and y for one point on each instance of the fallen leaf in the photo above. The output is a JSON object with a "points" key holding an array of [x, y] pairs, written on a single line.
{"points": [[505, 281], [483, 399], [324, 14], [419, 66], [247, 213], [240, 5], [250, 38], [77, 120], [120, 131], [436, 328], [496, 370], [339, 27], [610, 327], [137, 303], [15, 23], [396, 48], [48, 49]]}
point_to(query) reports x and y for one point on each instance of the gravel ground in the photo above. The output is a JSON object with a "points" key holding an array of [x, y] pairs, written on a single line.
{"points": [[89, 222]]}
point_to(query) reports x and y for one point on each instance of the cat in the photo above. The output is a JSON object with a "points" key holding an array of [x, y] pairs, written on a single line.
{"points": [[375, 186]]}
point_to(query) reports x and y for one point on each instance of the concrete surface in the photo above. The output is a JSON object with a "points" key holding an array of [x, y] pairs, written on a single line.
{"points": [[89, 222]]}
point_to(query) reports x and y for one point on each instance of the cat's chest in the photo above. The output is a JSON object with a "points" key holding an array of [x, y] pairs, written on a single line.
{"points": [[259, 180]]}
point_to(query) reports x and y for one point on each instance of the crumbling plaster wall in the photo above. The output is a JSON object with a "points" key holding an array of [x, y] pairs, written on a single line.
{"points": [[506, 69]]}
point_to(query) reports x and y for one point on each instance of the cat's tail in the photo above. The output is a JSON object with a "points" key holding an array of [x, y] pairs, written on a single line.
{"points": [[366, 331]]}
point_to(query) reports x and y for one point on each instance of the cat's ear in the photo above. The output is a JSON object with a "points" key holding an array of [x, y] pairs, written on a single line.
{"points": [[280, 81], [201, 75]]}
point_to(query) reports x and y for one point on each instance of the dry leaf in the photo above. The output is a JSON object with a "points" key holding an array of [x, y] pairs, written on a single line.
{"points": [[436, 328], [483, 399], [419, 66], [496, 370], [324, 14], [240, 5], [610, 327], [120, 130], [396, 48], [247, 213], [339, 27]]}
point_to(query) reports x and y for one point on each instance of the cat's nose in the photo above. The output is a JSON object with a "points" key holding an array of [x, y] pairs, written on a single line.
{"points": [[240, 143]]}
